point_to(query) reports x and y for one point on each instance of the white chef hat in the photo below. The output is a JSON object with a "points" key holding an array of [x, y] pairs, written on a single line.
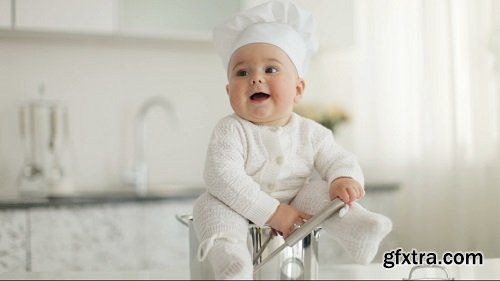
{"points": [[280, 23]]}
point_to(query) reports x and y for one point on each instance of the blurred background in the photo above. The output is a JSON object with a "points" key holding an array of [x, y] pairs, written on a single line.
{"points": [[417, 80]]}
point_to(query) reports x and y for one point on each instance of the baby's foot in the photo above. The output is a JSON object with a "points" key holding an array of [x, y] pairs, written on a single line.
{"points": [[359, 232], [230, 260]]}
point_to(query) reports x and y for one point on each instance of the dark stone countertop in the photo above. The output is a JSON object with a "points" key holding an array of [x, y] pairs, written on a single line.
{"points": [[103, 196]]}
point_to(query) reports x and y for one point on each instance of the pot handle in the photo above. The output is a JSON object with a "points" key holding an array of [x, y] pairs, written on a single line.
{"points": [[184, 219], [416, 267], [314, 222]]}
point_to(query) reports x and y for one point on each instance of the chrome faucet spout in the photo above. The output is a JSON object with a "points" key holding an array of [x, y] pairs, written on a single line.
{"points": [[140, 172]]}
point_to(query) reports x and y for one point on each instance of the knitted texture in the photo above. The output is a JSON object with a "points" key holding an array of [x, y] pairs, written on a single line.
{"points": [[229, 258], [249, 170], [252, 177], [231, 261], [359, 232]]}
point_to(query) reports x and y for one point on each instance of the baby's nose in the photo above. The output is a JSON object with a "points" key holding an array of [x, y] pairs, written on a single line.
{"points": [[255, 81]]}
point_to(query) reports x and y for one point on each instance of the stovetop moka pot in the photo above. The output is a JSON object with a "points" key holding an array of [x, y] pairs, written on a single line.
{"points": [[43, 127]]}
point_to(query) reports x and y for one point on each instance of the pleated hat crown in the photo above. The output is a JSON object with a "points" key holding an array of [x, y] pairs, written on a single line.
{"points": [[280, 23]]}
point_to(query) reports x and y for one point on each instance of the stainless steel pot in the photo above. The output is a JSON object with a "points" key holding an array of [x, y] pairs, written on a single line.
{"points": [[297, 262], [295, 258]]}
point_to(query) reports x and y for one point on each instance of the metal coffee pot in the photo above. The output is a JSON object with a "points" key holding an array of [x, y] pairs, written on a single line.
{"points": [[43, 127]]}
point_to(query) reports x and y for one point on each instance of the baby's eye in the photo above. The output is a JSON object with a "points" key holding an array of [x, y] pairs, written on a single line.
{"points": [[271, 69], [241, 73]]}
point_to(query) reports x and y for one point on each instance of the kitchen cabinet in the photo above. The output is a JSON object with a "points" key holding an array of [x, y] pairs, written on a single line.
{"points": [[142, 235], [190, 20], [75, 16], [5, 14], [13, 240], [173, 19]]}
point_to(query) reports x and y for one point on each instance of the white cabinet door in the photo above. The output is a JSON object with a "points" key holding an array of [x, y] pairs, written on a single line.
{"points": [[5, 14], [128, 236], [75, 16], [76, 238], [174, 19]]}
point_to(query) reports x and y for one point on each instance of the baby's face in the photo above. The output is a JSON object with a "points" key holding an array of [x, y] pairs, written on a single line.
{"points": [[263, 84]]}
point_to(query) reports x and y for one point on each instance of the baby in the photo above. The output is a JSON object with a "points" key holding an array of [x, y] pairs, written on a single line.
{"points": [[265, 164]]}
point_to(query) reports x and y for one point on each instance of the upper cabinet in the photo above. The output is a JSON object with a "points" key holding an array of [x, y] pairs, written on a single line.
{"points": [[5, 14], [75, 16], [164, 19], [181, 19], [169, 19]]}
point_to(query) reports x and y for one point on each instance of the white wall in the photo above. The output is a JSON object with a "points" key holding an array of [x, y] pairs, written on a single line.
{"points": [[104, 82]]}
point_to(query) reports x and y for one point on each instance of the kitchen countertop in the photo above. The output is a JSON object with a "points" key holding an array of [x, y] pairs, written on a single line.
{"points": [[490, 269], [122, 195], [100, 196]]}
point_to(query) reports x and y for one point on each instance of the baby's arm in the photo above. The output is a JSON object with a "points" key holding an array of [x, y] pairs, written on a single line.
{"points": [[339, 167], [285, 217], [347, 189]]}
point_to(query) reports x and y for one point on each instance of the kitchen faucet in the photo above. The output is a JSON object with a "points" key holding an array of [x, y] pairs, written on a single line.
{"points": [[140, 173]]}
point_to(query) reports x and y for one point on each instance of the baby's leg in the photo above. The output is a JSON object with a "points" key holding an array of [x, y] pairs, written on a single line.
{"points": [[312, 198], [359, 232], [223, 237]]}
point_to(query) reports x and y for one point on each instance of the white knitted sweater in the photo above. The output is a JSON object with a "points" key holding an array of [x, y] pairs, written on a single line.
{"points": [[253, 168]]}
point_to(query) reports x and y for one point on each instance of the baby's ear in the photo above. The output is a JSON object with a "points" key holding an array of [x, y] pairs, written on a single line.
{"points": [[227, 89], [299, 90]]}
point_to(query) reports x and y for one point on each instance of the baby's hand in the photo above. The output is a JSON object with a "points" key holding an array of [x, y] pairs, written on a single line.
{"points": [[285, 217], [347, 189]]}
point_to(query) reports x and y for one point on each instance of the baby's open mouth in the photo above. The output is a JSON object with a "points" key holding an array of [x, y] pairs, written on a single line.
{"points": [[259, 96]]}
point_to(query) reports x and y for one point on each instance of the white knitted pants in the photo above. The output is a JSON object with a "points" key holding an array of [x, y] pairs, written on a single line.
{"points": [[359, 231], [229, 259]]}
